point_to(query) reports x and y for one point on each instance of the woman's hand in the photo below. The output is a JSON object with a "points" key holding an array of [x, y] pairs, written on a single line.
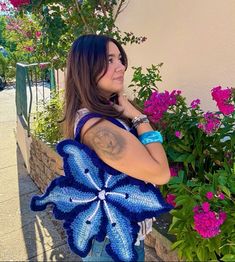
{"points": [[124, 105]]}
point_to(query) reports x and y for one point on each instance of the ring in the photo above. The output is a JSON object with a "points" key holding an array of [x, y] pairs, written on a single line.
{"points": [[124, 95]]}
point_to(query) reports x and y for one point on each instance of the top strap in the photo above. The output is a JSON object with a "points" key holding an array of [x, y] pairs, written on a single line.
{"points": [[87, 117]]}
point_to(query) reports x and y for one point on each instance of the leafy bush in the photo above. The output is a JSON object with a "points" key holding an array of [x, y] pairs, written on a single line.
{"points": [[145, 83], [200, 149], [46, 124], [7, 71]]}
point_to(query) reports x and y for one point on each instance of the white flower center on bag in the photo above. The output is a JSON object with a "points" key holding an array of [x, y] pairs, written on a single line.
{"points": [[101, 195]]}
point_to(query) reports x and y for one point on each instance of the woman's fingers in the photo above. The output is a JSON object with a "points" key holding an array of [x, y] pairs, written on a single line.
{"points": [[119, 108], [122, 98]]}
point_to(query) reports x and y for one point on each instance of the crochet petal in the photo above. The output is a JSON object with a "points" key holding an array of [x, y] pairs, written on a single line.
{"points": [[79, 165], [137, 202], [65, 199], [84, 228], [122, 234], [110, 180]]}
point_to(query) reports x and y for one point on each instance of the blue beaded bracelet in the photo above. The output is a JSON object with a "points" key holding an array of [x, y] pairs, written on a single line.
{"points": [[151, 137]]}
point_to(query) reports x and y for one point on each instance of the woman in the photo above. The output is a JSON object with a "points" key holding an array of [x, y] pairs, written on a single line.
{"points": [[95, 76]]}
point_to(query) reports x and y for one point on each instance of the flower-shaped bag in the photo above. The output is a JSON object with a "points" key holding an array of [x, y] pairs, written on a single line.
{"points": [[96, 200]]}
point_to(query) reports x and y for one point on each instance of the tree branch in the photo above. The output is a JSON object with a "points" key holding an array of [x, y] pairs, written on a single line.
{"points": [[103, 7], [82, 17], [119, 9]]}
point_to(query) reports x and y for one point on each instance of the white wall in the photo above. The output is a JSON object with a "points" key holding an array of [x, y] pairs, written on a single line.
{"points": [[195, 39]]}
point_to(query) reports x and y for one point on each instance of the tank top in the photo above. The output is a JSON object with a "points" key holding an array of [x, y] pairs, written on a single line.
{"points": [[146, 225]]}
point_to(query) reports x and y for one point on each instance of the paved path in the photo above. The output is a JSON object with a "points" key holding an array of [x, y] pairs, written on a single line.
{"points": [[25, 235]]}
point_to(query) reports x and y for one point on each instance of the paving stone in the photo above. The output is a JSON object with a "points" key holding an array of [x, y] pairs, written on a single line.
{"points": [[7, 156], [35, 238], [16, 212], [61, 253], [12, 185]]}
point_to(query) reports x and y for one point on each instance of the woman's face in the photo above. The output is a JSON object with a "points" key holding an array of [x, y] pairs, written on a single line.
{"points": [[112, 81]]}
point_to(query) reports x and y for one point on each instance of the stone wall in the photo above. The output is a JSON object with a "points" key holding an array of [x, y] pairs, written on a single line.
{"points": [[45, 164], [162, 246]]}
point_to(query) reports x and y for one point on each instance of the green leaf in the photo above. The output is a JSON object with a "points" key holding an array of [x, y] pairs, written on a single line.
{"points": [[176, 244], [228, 257], [225, 190], [181, 158], [222, 180], [201, 253]]}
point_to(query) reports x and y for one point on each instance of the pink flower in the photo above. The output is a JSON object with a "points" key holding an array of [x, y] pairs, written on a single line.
{"points": [[38, 34], [3, 7], [210, 123], [207, 222], [226, 109], [209, 195], [195, 103], [222, 217], [42, 66], [221, 196], [196, 209], [178, 134], [17, 3], [206, 207], [158, 104], [173, 171], [222, 97], [170, 199], [29, 48]]}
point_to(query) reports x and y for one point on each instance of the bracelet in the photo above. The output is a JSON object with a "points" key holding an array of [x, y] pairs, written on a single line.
{"points": [[151, 137], [136, 121]]}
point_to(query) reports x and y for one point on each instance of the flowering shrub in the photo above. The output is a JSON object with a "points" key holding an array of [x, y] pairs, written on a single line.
{"points": [[63, 21], [200, 148], [25, 31]]}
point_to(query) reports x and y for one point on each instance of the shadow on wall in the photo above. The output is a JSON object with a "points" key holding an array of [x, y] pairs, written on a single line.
{"points": [[44, 237]]}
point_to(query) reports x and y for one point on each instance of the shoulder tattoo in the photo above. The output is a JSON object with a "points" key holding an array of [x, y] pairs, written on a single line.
{"points": [[107, 142]]}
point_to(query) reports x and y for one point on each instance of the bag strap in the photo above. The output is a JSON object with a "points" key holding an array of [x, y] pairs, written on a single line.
{"points": [[87, 117]]}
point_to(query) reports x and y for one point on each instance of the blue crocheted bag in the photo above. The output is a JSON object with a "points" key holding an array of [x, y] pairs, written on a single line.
{"points": [[96, 200]]}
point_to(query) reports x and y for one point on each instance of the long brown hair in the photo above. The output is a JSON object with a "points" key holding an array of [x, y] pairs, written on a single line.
{"points": [[87, 63]]}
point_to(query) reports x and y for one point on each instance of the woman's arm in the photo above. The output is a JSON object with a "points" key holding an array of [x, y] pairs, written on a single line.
{"points": [[124, 152]]}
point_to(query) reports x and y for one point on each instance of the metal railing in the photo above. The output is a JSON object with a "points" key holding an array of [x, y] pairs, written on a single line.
{"points": [[34, 84]]}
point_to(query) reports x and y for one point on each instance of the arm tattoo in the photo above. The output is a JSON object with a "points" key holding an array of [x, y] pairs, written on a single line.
{"points": [[107, 142]]}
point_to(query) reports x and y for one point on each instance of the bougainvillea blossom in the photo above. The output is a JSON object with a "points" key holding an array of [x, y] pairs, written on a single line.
{"points": [[178, 134], [38, 34], [170, 199], [173, 171], [3, 7], [18, 3], [221, 196], [222, 98], [194, 104], [207, 222], [29, 48], [210, 124], [158, 104], [209, 195]]}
